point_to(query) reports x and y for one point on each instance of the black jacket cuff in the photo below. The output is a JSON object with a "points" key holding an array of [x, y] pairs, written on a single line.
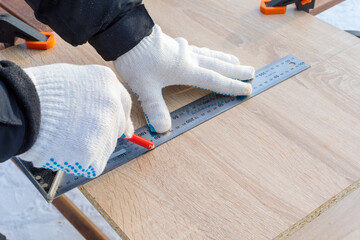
{"points": [[21, 87], [124, 34], [12, 124]]}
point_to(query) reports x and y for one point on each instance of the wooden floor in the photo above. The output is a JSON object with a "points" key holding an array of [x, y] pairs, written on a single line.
{"points": [[292, 148]]}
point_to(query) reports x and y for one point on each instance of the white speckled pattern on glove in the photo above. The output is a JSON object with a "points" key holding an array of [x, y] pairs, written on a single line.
{"points": [[159, 61], [84, 110]]}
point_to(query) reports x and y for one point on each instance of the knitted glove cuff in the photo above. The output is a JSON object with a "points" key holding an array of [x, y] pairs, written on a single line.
{"points": [[139, 50], [27, 98]]}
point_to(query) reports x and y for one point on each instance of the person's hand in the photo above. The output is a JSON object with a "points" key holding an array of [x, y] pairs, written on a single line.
{"points": [[84, 110], [159, 61]]}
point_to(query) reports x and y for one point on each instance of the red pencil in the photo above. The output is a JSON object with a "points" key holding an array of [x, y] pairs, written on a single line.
{"points": [[141, 141]]}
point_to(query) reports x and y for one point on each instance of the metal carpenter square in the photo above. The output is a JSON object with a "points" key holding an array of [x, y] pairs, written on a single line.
{"points": [[183, 119]]}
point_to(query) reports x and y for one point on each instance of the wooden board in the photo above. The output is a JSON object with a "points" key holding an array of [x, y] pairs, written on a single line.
{"points": [[257, 169], [322, 5], [2, 11], [340, 222]]}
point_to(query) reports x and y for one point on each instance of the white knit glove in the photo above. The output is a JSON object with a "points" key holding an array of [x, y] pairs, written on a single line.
{"points": [[84, 110], [159, 61]]}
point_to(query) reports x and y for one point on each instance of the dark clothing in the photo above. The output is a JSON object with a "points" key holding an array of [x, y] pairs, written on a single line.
{"points": [[12, 125], [112, 27], [2, 237], [19, 111], [123, 35]]}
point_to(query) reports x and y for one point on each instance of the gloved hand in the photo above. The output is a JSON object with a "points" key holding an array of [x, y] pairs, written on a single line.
{"points": [[84, 110], [159, 61]]}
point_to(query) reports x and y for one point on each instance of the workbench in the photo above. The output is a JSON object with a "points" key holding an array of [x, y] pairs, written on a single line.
{"points": [[258, 171]]}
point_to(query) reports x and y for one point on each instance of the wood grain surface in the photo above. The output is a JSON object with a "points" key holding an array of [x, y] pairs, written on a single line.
{"points": [[322, 5], [340, 222], [78, 219], [260, 167]]}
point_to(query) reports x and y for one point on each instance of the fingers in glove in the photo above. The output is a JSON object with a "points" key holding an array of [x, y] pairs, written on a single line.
{"points": [[156, 113], [226, 69], [213, 81], [121, 121], [229, 58], [127, 103], [129, 130]]}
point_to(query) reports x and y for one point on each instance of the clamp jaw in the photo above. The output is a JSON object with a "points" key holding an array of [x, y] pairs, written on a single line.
{"points": [[11, 28], [279, 6]]}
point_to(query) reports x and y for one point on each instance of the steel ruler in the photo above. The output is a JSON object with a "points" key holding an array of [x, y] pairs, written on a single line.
{"points": [[53, 184]]}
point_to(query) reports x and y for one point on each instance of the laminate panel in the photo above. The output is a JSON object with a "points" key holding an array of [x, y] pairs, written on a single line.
{"points": [[261, 167], [340, 222], [322, 5]]}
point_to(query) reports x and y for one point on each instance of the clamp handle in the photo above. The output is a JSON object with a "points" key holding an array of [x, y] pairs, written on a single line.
{"points": [[50, 42], [271, 10], [305, 5], [279, 6], [11, 28]]}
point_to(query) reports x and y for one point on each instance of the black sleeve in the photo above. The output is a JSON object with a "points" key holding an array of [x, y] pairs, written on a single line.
{"points": [[112, 27], [19, 111]]}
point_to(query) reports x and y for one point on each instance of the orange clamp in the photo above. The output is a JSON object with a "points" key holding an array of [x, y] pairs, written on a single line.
{"points": [[42, 45], [271, 10], [303, 2]]}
